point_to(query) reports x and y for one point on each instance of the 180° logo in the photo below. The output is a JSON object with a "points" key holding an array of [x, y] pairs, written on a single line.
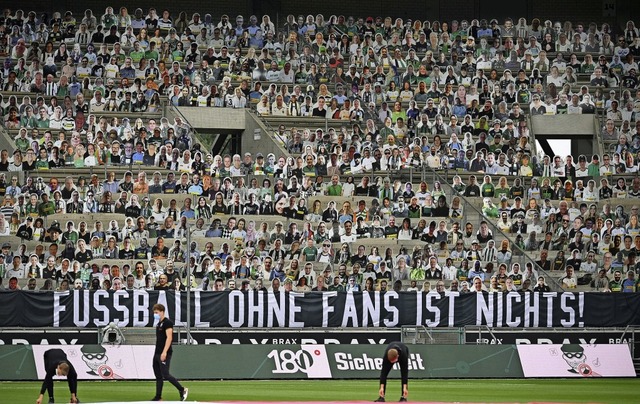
{"points": [[289, 362]]}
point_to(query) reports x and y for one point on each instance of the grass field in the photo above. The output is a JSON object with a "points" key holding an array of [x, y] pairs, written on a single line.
{"points": [[506, 390]]}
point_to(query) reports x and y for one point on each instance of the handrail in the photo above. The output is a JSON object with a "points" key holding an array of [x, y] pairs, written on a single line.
{"points": [[272, 130], [415, 330], [489, 330], [225, 144], [532, 142], [597, 139], [195, 135], [631, 329], [494, 228], [5, 138], [372, 113]]}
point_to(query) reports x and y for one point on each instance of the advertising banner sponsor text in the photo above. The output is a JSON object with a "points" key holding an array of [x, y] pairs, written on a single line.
{"points": [[544, 336], [202, 336]]}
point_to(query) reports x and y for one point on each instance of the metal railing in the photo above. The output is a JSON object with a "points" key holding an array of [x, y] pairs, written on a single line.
{"points": [[272, 131], [422, 335], [482, 328], [175, 111]]}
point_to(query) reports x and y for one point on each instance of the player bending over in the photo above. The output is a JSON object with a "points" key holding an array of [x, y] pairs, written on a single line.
{"points": [[57, 364], [396, 352]]}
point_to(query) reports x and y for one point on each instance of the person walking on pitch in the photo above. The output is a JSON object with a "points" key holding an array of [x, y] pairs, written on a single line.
{"points": [[162, 354]]}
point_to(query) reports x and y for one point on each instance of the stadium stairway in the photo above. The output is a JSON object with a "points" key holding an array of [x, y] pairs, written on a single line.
{"points": [[472, 208]]}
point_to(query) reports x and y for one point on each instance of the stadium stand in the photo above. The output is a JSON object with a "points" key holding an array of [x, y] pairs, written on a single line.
{"points": [[407, 154]]}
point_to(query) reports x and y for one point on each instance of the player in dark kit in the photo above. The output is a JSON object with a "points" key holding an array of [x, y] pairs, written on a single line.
{"points": [[57, 364], [162, 354], [396, 352]]}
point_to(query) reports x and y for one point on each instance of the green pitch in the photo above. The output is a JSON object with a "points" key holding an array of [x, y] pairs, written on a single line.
{"points": [[557, 390]]}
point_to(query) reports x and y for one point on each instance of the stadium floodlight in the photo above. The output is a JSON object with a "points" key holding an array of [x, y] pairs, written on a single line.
{"points": [[112, 334]]}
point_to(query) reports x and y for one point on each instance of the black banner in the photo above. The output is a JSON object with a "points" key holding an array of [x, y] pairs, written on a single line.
{"points": [[321, 309]]}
